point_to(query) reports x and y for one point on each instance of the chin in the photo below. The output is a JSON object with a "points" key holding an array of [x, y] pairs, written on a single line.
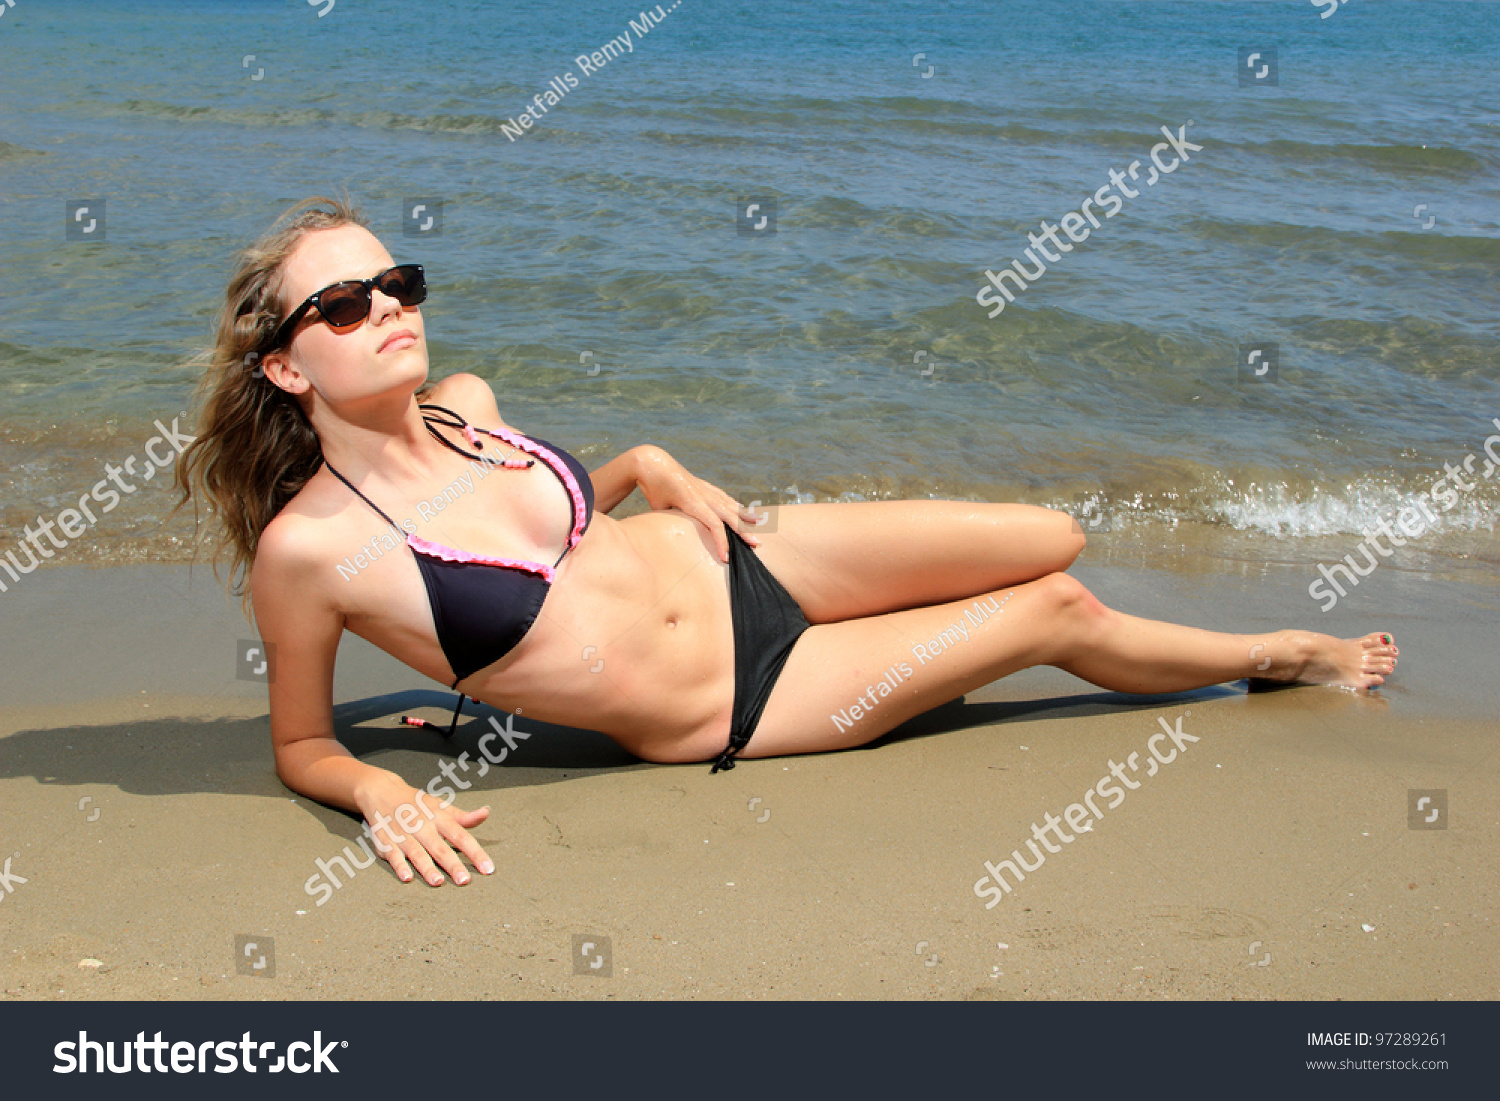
{"points": [[413, 372]]}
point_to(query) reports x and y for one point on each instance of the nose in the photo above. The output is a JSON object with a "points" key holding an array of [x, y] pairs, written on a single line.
{"points": [[383, 305]]}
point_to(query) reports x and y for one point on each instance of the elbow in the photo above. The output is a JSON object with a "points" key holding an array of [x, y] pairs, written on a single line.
{"points": [[288, 772]]}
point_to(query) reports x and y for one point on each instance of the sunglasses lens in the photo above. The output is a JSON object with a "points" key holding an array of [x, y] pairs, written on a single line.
{"points": [[345, 303], [405, 284], [348, 303]]}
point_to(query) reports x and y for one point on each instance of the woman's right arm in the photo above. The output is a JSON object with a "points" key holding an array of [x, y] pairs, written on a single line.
{"points": [[301, 628]]}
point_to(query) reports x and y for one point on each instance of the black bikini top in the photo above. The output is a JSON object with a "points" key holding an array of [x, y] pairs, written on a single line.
{"points": [[483, 607]]}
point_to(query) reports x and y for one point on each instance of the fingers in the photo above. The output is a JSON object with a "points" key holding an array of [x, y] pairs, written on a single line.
{"points": [[709, 518], [397, 860], [747, 514], [450, 862], [468, 819], [409, 855], [471, 848], [711, 507], [422, 862], [428, 850], [736, 515], [458, 834]]}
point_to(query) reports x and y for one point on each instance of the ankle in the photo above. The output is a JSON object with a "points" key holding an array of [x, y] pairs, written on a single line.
{"points": [[1290, 653]]}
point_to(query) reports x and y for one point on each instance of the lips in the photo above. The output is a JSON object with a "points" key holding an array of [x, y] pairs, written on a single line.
{"points": [[399, 335]]}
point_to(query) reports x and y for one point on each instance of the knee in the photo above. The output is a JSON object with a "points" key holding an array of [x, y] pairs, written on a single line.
{"points": [[1065, 595], [1068, 538], [1074, 542]]}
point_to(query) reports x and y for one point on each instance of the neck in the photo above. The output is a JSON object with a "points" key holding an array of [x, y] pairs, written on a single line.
{"points": [[390, 442]]}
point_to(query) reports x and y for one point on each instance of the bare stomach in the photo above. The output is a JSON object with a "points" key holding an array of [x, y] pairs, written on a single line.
{"points": [[634, 640]]}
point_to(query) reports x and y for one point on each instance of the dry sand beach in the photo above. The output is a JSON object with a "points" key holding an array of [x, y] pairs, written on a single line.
{"points": [[1273, 858]]}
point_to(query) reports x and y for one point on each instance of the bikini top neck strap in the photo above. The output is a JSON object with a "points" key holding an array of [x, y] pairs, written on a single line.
{"points": [[456, 421], [458, 418], [462, 425], [452, 420], [358, 494]]}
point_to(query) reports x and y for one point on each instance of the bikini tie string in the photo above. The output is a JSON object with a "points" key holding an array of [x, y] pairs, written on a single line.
{"points": [[410, 720], [726, 759]]}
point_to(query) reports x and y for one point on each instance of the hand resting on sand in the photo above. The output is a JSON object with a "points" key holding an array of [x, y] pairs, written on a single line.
{"points": [[411, 829]]}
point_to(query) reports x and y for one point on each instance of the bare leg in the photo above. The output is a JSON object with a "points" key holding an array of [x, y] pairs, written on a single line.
{"points": [[866, 558], [1129, 654], [838, 667]]}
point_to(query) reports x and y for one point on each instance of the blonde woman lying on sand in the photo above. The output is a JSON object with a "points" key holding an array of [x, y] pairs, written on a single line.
{"points": [[515, 583]]}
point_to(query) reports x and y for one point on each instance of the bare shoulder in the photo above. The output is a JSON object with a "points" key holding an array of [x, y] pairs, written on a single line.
{"points": [[290, 546], [301, 539], [471, 396]]}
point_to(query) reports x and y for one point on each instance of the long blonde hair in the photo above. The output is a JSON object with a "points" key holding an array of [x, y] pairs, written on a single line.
{"points": [[255, 447]]}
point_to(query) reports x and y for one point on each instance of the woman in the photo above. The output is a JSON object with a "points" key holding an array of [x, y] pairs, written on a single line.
{"points": [[322, 449]]}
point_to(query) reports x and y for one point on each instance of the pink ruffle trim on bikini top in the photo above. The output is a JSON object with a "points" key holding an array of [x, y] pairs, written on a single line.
{"points": [[580, 510]]}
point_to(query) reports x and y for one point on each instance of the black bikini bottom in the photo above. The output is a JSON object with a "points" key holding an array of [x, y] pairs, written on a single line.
{"points": [[767, 623]]}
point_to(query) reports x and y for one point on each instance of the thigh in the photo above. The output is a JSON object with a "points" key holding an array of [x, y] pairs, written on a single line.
{"points": [[846, 684], [847, 561]]}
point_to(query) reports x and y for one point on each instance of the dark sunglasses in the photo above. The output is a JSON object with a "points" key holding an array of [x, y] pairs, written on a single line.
{"points": [[348, 303]]}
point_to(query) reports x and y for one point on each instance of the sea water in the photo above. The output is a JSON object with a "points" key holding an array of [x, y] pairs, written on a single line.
{"points": [[755, 234]]}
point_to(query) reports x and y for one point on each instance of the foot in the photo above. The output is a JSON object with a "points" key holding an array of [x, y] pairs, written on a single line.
{"points": [[1293, 657]]}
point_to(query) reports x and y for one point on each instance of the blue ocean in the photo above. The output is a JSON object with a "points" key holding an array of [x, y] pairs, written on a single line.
{"points": [[758, 234]]}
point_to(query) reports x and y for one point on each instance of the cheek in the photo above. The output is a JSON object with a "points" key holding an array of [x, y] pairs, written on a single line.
{"points": [[333, 367]]}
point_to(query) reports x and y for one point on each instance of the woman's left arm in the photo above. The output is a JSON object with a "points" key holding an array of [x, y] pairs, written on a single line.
{"points": [[666, 483]]}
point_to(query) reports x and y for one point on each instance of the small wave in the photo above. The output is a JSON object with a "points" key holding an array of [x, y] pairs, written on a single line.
{"points": [[1273, 510], [1436, 248], [703, 141], [1290, 511], [834, 212], [896, 115], [299, 116], [1009, 131], [808, 121], [919, 105], [9, 152], [1414, 346], [1437, 159]]}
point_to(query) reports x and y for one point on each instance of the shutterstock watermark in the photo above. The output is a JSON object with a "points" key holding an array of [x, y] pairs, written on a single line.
{"points": [[1080, 817], [1412, 522], [9, 879], [189, 1057], [70, 521], [1076, 223], [409, 815]]}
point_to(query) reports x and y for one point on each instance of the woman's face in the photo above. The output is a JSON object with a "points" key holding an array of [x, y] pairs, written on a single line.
{"points": [[383, 354]]}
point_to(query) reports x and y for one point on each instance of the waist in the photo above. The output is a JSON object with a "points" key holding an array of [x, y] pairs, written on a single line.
{"points": [[635, 632]]}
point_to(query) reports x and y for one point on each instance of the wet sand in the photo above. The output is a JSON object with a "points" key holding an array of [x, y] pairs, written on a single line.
{"points": [[1273, 858]]}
